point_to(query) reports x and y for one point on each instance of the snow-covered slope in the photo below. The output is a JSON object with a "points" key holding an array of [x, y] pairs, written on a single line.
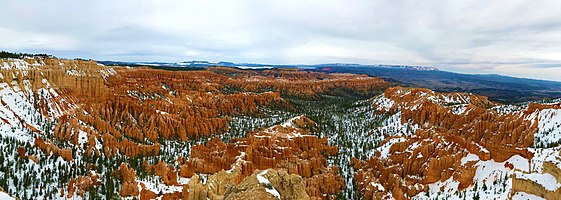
{"points": [[549, 127], [26, 107], [30, 106]]}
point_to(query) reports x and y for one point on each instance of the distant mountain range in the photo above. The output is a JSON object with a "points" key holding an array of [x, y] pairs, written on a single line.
{"points": [[497, 87], [196, 63]]}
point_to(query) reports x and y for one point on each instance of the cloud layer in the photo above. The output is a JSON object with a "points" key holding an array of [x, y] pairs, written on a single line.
{"points": [[519, 38]]}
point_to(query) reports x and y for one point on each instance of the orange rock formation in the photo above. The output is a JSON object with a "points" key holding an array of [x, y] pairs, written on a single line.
{"points": [[433, 152]]}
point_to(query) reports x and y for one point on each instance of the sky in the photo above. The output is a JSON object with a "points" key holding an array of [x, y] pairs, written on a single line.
{"points": [[519, 38]]}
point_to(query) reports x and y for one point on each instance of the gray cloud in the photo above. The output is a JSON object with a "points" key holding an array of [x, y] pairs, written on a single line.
{"points": [[519, 38]]}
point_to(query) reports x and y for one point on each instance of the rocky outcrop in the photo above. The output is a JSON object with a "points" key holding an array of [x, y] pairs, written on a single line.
{"points": [[265, 184], [295, 162], [535, 107], [146, 194], [167, 173], [522, 184], [411, 165], [82, 184], [477, 123], [553, 169], [279, 147], [21, 153], [49, 148], [127, 176], [530, 187], [450, 126]]}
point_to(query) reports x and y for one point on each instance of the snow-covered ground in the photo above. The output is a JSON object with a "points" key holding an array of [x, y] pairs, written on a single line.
{"points": [[5, 196], [549, 127], [492, 181], [548, 181], [525, 196], [161, 188]]}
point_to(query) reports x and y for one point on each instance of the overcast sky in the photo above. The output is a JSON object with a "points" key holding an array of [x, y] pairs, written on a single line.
{"points": [[515, 37]]}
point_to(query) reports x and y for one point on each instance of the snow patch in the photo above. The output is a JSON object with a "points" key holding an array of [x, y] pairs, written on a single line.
{"points": [[5, 196], [546, 180], [267, 183], [385, 149]]}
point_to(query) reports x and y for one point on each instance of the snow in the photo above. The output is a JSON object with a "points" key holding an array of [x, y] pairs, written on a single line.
{"points": [[481, 148], [385, 149], [82, 137], [393, 126], [486, 169], [16, 110], [460, 109], [105, 73], [254, 67], [160, 187], [183, 181], [17, 104], [73, 72], [549, 126], [378, 186], [15, 64], [543, 155], [448, 185], [98, 144], [238, 163], [288, 123], [162, 112], [525, 196], [383, 103], [488, 173], [266, 181], [469, 157], [546, 180], [262, 179], [5, 196]]}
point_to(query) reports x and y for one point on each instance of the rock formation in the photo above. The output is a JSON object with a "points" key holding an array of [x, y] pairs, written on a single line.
{"points": [[127, 176], [521, 183], [450, 126], [264, 184], [82, 111], [296, 164], [278, 147]]}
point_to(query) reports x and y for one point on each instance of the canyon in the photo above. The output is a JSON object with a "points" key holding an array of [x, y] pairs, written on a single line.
{"points": [[77, 129]]}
